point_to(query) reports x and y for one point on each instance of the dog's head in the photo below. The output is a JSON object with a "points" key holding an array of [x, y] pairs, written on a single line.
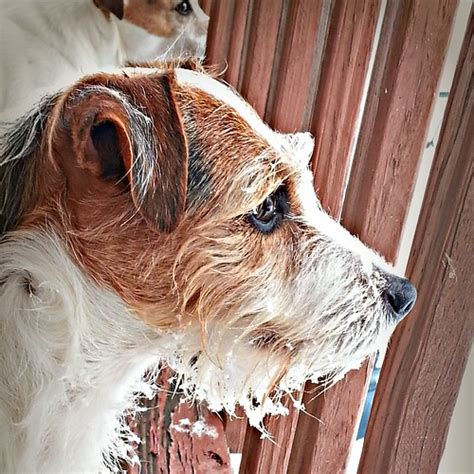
{"points": [[169, 191], [158, 29]]}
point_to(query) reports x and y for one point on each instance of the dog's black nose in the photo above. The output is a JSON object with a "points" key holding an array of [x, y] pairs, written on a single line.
{"points": [[400, 295]]}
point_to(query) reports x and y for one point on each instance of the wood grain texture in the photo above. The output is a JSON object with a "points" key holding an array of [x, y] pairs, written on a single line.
{"points": [[339, 94], [235, 429], [422, 372], [221, 14], [321, 441], [288, 106], [263, 456], [403, 22], [178, 438], [392, 136], [255, 78], [196, 442], [239, 42], [150, 427], [296, 68]]}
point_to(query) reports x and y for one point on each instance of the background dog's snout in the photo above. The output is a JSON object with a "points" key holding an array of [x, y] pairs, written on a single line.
{"points": [[400, 294]]}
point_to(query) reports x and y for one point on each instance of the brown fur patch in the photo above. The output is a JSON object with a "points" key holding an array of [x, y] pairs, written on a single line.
{"points": [[167, 279], [158, 18]]}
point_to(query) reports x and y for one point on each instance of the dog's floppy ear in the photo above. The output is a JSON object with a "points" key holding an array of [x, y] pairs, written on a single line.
{"points": [[115, 140], [115, 7]]}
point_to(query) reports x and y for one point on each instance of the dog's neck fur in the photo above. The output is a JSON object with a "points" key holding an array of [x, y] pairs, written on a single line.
{"points": [[73, 359], [74, 38]]}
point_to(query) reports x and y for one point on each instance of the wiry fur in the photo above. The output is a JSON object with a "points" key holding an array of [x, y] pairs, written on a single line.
{"points": [[93, 292], [73, 353], [17, 175]]}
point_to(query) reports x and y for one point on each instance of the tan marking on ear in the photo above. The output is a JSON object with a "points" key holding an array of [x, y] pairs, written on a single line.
{"points": [[158, 18]]}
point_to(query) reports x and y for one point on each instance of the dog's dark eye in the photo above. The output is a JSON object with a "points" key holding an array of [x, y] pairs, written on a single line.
{"points": [[270, 212], [184, 8]]}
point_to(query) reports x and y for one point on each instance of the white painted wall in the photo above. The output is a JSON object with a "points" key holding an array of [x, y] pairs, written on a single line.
{"points": [[459, 453]]}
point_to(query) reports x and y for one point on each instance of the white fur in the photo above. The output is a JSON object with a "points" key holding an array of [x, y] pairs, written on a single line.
{"points": [[70, 363], [73, 356], [47, 45], [228, 95]]}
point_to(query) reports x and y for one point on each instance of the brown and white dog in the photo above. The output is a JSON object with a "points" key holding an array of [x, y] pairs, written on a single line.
{"points": [[150, 215], [49, 44]]}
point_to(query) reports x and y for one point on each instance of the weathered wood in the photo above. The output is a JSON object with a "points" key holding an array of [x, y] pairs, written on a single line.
{"points": [[391, 140], [292, 78], [235, 429], [239, 42], [263, 456], [405, 77], [261, 45], [196, 443], [150, 426], [177, 437], [338, 100], [321, 444], [422, 372], [221, 15], [296, 68]]}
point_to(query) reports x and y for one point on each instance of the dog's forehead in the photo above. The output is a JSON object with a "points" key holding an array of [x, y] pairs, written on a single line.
{"points": [[225, 94], [296, 148]]}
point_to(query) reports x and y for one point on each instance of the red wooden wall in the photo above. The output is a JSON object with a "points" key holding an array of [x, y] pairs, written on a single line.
{"points": [[362, 75]]}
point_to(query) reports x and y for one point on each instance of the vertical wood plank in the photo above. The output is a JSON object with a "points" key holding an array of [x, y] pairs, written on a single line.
{"points": [[321, 444], [254, 83], [345, 64], [296, 69], [235, 429], [409, 59], [405, 76], [240, 33], [219, 32], [177, 437], [206, 5], [338, 101], [292, 85], [263, 456], [422, 372]]}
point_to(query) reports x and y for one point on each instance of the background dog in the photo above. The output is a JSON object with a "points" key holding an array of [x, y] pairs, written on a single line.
{"points": [[47, 45], [151, 215]]}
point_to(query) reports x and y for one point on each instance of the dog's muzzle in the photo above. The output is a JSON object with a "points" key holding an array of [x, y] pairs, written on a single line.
{"points": [[400, 295]]}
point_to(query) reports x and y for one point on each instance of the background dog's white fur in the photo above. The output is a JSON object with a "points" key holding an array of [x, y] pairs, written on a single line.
{"points": [[47, 45]]}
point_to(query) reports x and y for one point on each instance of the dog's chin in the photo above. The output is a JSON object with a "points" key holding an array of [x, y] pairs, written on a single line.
{"points": [[229, 370]]}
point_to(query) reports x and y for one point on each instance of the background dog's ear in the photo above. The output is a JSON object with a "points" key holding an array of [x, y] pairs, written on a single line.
{"points": [[146, 148], [115, 7]]}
